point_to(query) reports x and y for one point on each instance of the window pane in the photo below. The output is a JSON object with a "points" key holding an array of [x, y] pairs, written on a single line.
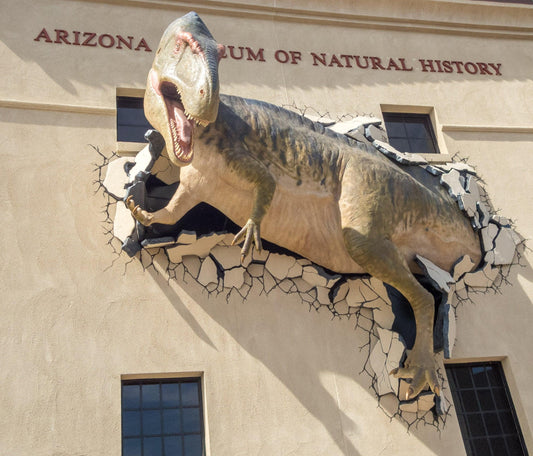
{"points": [[481, 447], [150, 395], [131, 447], [152, 422], [479, 376], [191, 419], [170, 395], [171, 422], [173, 446], [153, 446], [421, 146], [131, 424], [475, 424], [416, 128], [395, 128], [189, 394], [485, 399], [492, 423], [131, 397], [462, 375], [498, 446], [193, 445], [469, 401]]}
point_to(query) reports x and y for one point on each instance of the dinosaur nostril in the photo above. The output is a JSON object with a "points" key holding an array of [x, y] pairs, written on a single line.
{"points": [[202, 92]]}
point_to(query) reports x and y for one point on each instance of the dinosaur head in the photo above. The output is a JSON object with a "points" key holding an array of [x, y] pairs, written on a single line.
{"points": [[182, 87]]}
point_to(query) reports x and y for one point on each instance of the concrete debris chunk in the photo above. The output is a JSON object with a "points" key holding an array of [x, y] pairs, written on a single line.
{"points": [[325, 121], [186, 237], [227, 257], [234, 278], [462, 266], [155, 243], [450, 330], [200, 248], [259, 256], [483, 278], [434, 170], [425, 402], [375, 133], [405, 158], [143, 163], [165, 171], [255, 269], [452, 181], [504, 247], [193, 264], [458, 166], [208, 273], [124, 223], [439, 277], [314, 275], [116, 178], [484, 214], [279, 265], [488, 234]]}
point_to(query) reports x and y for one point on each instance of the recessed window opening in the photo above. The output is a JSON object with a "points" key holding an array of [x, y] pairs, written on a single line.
{"points": [[412, 133], [485, 411], [131, 122], [162, 417]]}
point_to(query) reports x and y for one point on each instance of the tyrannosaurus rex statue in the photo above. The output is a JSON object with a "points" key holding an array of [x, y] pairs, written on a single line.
{"points": [[299, 185]]}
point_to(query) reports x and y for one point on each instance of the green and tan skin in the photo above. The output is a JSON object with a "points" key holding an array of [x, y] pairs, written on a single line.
{"points": [[298, 185]]}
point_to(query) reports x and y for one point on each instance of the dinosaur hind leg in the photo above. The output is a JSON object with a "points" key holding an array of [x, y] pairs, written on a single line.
{"points": [[380, 258]]}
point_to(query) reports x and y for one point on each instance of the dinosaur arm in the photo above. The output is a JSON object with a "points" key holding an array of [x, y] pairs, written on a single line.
{"points": [[252, 171]]}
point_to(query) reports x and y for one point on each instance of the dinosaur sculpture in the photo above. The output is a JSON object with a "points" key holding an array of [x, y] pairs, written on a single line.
{"points": [[299, 185]]}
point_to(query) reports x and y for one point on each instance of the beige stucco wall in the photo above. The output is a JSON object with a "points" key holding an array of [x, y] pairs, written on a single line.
{"points": [[278, 379]]}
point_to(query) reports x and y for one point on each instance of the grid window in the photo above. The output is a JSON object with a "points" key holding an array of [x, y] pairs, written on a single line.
{"points": [[411, 133], [486, 415], [131, 122], [162, 417]]}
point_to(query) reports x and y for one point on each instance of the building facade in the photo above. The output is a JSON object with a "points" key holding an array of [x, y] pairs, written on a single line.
{"points": [[104, 354]]}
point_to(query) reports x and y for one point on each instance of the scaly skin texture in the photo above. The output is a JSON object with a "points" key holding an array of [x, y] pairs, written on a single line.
{"points": [[316, 193]]}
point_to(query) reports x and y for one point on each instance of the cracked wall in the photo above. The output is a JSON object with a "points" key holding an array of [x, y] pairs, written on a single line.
{"points": [[209, 259]]}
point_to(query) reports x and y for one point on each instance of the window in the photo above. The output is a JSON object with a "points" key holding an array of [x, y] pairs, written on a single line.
{"points": [[131, 122], [411, 133], [486, 415], [162, 417]]}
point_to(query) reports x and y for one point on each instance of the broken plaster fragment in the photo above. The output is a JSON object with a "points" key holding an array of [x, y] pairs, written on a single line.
{"points": [[374, 133], [144, 161], [452, 182], [186, 237], [504, 247], [439, 277], [227, 257], [193, 264], [483, 278], [256, 269], [488, 234], [314, 276], [124, 223], [404, 158], [154, 243], [325, 121], [200, 248], [279, 265], [462, 266], [208, 273], [234, 278], [116, 177]]}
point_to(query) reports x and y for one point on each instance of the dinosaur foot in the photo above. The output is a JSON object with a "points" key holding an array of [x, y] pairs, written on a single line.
{"points": [[142, 216], [421, 368], [250, 234]]}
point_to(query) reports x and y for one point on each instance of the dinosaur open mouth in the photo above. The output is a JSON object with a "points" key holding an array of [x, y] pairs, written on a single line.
{"points": [[181, 125]]}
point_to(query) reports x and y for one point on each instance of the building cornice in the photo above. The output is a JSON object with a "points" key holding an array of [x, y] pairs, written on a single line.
{"points": [[449, 17]]}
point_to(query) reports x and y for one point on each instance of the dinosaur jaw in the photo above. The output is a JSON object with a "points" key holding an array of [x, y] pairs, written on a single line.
{"points": [[180, 124], [169, 115]]}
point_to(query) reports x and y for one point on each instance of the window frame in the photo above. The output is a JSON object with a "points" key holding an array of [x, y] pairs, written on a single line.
{"points": [[427, 121], [460, 395], [136, 380]]}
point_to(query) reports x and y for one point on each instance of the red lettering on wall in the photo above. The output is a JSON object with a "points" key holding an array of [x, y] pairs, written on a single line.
{"points": [[143, 44], [106, 41], [90, 37], [43, 35]]}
